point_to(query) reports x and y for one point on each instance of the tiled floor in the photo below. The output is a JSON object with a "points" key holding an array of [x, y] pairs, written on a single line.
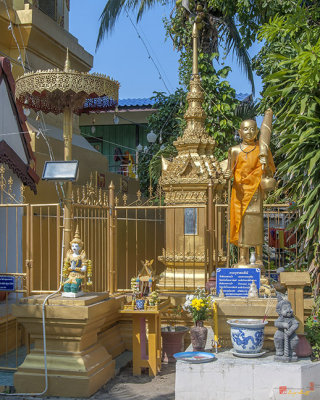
{"points": [[11, 360]]}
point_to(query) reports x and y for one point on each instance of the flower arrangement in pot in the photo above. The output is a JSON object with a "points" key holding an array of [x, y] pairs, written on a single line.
{"points": [[199, 305], [154, 298]]}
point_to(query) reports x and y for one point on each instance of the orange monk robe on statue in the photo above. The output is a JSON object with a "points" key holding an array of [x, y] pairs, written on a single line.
{"points": [[247, 177]]}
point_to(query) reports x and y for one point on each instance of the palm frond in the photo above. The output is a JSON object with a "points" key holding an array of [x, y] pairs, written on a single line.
{"points": [[146, 4], [233, 42], [113, 9], [108, 18], [246, 110]]}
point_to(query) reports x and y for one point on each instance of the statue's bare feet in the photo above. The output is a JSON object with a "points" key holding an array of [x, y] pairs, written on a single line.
{"points": [[242, 263]]}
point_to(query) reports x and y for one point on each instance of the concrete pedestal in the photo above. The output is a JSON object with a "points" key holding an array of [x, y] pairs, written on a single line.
{"points": [[232, 378], [77, 364]]}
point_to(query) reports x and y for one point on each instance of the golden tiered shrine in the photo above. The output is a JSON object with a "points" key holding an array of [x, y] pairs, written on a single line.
{"points": [[185, 181]]}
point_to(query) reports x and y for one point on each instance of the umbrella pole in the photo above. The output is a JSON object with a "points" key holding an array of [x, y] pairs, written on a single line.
{"points": [[67, 138]]}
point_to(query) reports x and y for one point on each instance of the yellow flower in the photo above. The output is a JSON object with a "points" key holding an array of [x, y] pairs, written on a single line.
{"points": [[194, 303], [197, 304]]}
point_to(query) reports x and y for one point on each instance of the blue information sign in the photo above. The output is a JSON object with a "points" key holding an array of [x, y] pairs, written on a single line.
{"points": [[7, 283], [235, 282]]}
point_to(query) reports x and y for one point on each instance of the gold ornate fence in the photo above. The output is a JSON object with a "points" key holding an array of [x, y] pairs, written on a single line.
{"points": [[280, 243], [117, 237], [149, 231]]}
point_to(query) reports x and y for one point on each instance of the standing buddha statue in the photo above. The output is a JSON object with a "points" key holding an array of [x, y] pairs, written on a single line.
{"points": [[251, 164]]}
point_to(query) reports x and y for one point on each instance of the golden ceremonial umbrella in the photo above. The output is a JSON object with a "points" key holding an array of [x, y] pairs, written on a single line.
{"points": [[67, 92]]}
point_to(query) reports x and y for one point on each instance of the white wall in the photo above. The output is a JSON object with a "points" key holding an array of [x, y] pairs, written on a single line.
{"points": [[9, 128], [11, 258]]}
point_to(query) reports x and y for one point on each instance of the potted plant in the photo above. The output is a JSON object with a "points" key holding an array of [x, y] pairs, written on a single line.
{"points": [[173, 336], [199, 306]]}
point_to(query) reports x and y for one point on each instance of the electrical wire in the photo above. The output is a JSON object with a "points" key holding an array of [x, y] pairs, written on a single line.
{"points": [[40, 114], [10, 27], [13, 60], [133, 122], [23, 45], [213, 102], [42, 122], [148, 52], [155, 56], [172, 110], [106, 141], [129, 120], [13, 133]]}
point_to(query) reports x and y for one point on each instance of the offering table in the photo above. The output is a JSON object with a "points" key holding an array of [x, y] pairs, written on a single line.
{"points": [[146, 351]]}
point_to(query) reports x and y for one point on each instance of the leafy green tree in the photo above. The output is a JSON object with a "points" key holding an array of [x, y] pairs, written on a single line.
{"points": [[250, 15], [218, 32], [221, 21], [289, 64]]}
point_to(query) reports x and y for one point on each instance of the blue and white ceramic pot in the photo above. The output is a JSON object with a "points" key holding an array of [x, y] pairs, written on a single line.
{"points": [[140, 304], [247, 335]]}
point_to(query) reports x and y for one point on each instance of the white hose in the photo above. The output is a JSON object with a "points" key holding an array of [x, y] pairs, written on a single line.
{"points": [[44, 330]]}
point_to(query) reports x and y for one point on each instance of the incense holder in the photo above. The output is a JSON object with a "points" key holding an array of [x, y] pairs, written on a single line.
{"points": [[247, 335]]}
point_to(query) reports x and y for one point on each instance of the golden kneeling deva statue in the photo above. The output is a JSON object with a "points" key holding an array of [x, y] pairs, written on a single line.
{"points": [[77, 269]]}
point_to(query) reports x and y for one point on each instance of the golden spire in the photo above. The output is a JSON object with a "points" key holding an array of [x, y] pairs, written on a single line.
{"points": [[76, 238], [67, 62], [194, 135], [77, 233], [195, 164], [195, 37]]}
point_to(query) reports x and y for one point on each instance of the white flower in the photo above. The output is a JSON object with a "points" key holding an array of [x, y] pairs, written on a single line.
{"points": [[187, 303]]}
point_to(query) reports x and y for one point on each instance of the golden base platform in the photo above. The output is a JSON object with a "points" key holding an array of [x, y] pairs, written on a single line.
{"points": [[77, 364], [182, 278]]}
